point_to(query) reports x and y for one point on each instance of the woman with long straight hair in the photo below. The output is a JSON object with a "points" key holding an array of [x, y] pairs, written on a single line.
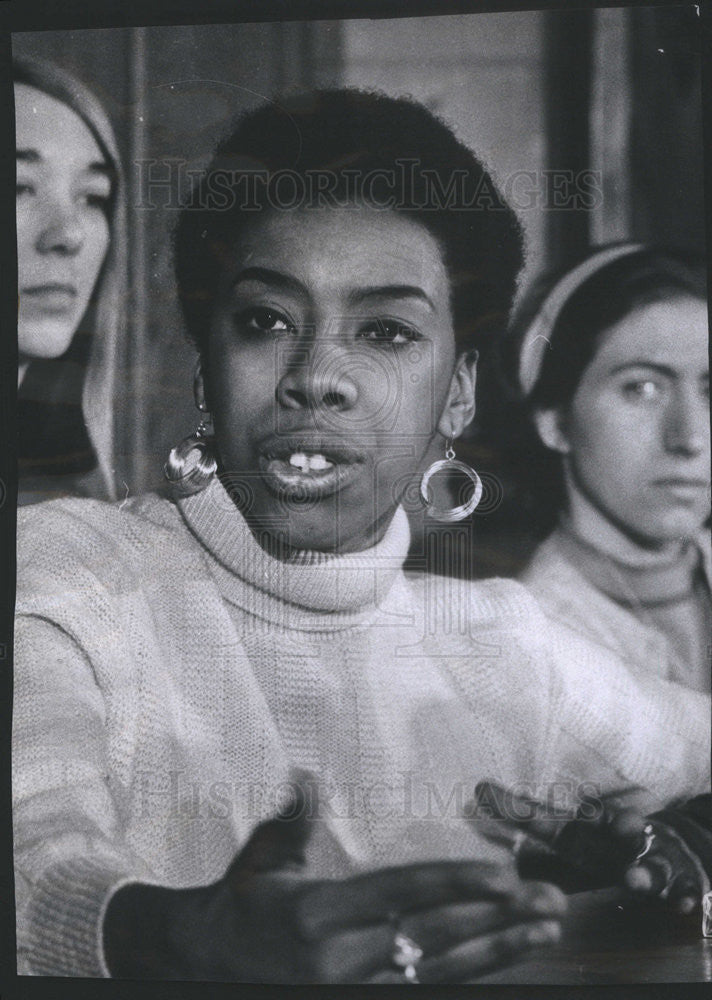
{"points": [[71, 243]]}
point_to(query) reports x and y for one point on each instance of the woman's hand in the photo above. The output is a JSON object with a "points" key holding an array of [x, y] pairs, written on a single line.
{"points": [[267, 920], [668, 870], [662, 855], [677, 862]]}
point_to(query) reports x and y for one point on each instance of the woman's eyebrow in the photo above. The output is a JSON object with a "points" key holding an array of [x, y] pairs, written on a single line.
{"points": [[356, 296], [34, 156], [391, 292], [267, 276], [641, 363]]}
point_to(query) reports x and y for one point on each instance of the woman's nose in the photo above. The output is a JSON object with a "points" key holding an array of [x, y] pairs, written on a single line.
{"points": [[61, 230], [316, 377], [687, 429]]}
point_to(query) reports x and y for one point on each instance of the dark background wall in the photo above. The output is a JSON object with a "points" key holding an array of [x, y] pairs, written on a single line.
{"points": [[545, 98]]}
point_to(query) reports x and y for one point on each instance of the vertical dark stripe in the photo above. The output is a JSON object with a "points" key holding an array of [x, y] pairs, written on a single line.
{"points": [[323, 53], [567, 84], [139, 276], [667, 162], [309, 54]]}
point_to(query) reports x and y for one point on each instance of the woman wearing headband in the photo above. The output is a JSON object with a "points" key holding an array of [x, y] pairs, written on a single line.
{"points": [[612, 359], [180, 661], [71, 250]]}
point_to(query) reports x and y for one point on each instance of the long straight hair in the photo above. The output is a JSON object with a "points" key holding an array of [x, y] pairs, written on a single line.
{"points": [[107, 303]]}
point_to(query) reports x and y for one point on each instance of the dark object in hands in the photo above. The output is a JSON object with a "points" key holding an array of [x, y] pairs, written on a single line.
{"points": [[583, 856], [605, 846]]}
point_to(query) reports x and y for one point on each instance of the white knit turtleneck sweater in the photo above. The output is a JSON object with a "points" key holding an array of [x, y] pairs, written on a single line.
{"points": [[169, 673]]}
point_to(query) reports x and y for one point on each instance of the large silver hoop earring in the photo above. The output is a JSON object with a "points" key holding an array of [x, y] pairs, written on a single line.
{"points": [[192, 463], [446, 464]]}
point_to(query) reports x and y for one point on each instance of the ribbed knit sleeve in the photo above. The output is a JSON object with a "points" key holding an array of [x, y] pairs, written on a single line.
{"points": [[69, 854], [612, 719]]}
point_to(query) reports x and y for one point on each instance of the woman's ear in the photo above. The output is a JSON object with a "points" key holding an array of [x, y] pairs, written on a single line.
{"points": [[549, 427], [460, 404]]}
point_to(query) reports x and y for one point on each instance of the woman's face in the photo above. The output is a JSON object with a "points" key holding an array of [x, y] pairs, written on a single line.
{"points": [[331, 356], [63, 190], [638, 430]]}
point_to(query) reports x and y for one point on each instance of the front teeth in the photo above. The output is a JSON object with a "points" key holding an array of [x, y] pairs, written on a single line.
{"points": [[309, 463]]}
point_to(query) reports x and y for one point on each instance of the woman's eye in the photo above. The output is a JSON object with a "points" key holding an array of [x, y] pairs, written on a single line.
{"points": [[23, 189], [259, 320], [388, 331], [95, 199], [646, 390]]}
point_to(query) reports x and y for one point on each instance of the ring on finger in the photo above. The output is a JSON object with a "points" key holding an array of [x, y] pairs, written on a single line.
{"points": [[406, 955], [649, 835], [518, 842]]}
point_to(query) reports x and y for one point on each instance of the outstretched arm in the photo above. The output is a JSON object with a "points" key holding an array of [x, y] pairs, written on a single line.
{"points": [[268, 921], [612, 726], [87, 906]]}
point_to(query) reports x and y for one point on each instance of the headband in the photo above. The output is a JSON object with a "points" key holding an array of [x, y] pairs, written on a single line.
{"points": [[538, 335]]}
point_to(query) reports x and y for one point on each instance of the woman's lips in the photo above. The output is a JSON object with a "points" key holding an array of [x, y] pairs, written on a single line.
{"points": [[284, 480], [307, 469], [684, 489], [53, 297]]}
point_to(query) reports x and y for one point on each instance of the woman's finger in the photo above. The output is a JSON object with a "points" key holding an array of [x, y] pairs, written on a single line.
{"points": [[658, 878], [481, 954], [498, 804], [441, 928], [358, 954], [355, 955], [575, 853], [508, 818], [376, 896], [668, 869], [684, 894], [628, 824], [674, 879], [478, 955], [652, 875]]}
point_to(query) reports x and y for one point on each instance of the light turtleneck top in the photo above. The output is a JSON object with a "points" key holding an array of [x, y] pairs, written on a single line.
{"points": [[658, 616], [170, 675]]}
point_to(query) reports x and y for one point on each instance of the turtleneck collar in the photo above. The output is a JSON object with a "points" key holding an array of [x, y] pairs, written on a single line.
{"points": [[662, 583], [325, 582]]}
